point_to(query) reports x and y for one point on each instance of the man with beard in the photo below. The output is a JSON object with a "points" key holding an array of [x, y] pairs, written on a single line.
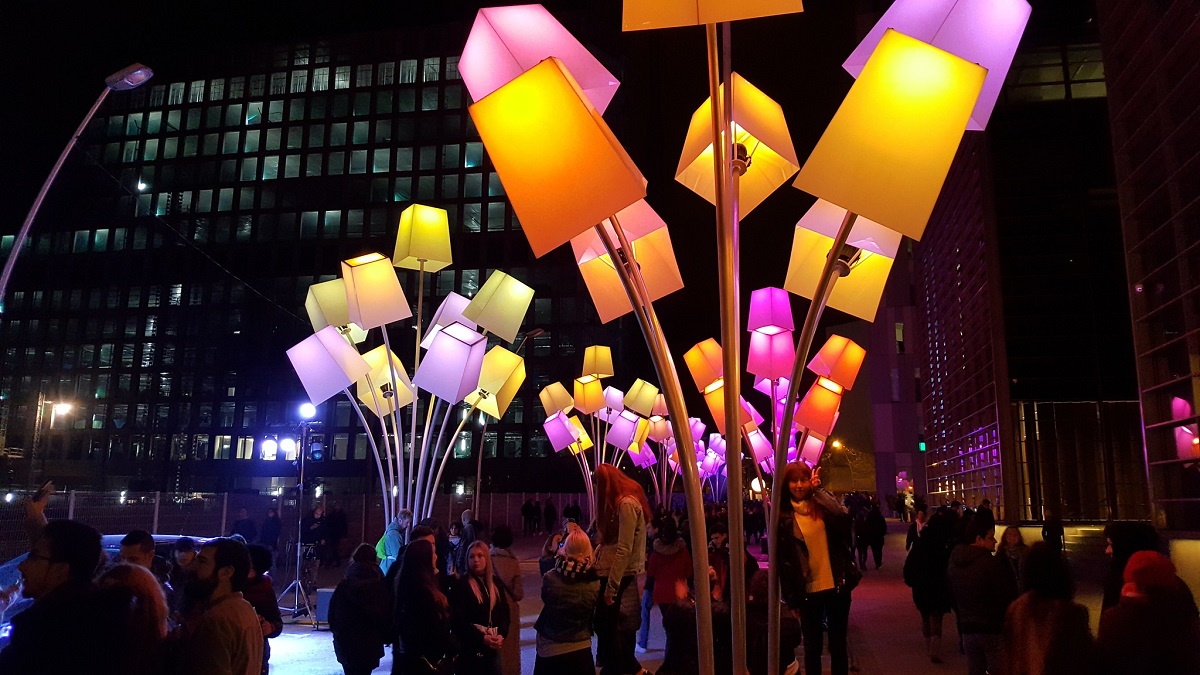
{"points": [[224, 637]]}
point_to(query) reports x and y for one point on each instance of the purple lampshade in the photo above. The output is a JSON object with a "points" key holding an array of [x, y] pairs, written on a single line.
{"points": [[980, 31], [710, 464], [614, 399], [697, 427], [752, 412], [763, 385], [628, 430], [716, 443], [814, 445], [760, 445], [450, 311], [451, 367], [326, 364], [560, 431], [645, 458], [771, 355], [770, 311]]}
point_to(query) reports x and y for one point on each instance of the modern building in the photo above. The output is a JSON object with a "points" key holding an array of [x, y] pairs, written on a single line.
{"points": [[167, 272]]}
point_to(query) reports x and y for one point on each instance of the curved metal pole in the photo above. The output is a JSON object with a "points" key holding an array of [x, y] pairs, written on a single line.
{"points": [[398, 458], [432, 487], [479, 464], [668, 377], [419, 501], [417, 484], [389, 508], [374, 448], [829, 275], [409, 487]]}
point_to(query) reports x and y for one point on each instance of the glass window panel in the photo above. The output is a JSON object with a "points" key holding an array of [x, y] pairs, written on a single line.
{"points": [[291, 166], [337, 133], [249, 169], [408, 71], [316, 135], [337, 164], [429, 98], [404, 159], [251, 142], [382, 160], [361, 133], [358, 161], [495, 217], [312, 164]]}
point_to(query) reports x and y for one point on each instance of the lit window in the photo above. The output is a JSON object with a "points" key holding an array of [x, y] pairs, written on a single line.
{"points": [[408, 71], [432, 69], [299, 81], [216, 90], [452, 68], [363, 76], [387, 73], [196, 92], [341, 77], [176, 95], [278, 83]]}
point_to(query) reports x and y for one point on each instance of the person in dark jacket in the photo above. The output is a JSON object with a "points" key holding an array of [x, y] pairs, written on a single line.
{"points": [[245, 526], [1045, 632], [757, 629], [261, 595], [1123, 540], [550, 515], [817, 571], [981, 588], [1052, 530], [1153, 628], [359, 614], [876, 533], [925, 572], [479, 614], [422, 613], [569, 594], [719, 565], [272, 527]]}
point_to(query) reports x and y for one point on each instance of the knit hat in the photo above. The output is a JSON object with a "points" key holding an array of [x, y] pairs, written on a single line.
{"points": [[1150, 570]]}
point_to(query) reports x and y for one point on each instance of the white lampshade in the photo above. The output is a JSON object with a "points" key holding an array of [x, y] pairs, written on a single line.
{"points": [[373, 293]]}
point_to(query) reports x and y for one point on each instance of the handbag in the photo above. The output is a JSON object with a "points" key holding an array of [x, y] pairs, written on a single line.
{"points": [[444, 666]]}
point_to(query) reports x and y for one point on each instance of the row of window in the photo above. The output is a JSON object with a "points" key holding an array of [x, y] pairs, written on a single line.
{"points": [[303, 80]]}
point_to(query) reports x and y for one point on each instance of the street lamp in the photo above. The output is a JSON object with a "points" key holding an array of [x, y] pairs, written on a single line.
{"points": [[123, 80]]}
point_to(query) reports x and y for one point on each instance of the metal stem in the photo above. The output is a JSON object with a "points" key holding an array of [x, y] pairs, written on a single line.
{"points": [[432, 488], [410, 486]]}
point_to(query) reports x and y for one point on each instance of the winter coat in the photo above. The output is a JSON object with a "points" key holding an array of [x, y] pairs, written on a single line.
{"points": [[981, 588], [391, 543], [1047, 637], [718, 560], [269, 536], [925, 572], [360, 616], [466, 612], [668, 563], [422, 632], [261, 595], [1156, 633], [794, 566], [569, 595], [508, 571]]}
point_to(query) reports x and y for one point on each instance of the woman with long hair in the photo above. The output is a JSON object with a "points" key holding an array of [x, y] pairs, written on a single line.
{"points": [[569, 594], [1045, 631], [508, 570], [423, 615], [480, 613], [621, 511], [135, 590], [925, 573], [1013, 548]]}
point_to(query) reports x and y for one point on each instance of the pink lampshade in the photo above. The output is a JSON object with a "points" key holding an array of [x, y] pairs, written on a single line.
{"points": [[450, 311], [760, 445], [771, 355], [660, 406], [750, 410], [763, 385], [710, 464], [697, 427], [818, 410], [660, 429], [768, 465], [637, 220], [770, 311], [560, 431], [645, 459], [814, 445], [654, 255], [716, 443], [981, 31], [451, 367], [506, 41], [839, 360], [326, 364]]}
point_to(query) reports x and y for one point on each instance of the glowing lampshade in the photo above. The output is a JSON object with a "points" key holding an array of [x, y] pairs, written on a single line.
{"points": [[771, 355], [450, 311], [555, 398], [714, 397], [637, 220], [649, 14], [373, 293], [888, 148], [506, 41], [709, 464], [628, 430], [562, 168], [613, 404], [660, 429], [384, 399], [500, 305], [716, 443], [770, 311], [697, 428], [326, 306], [422, 236], [501, 376], [704, 363], [644, 457], [981, 31], [819, 407], [584, 442], [762, 384], [641, 398], [660, 406], [656, 257], [814, 445], [759, 125], [839, 360], [760, 445], [858, 293], [451, 367], [326, 364], [597, 361], [560, 432], [589, 394]]}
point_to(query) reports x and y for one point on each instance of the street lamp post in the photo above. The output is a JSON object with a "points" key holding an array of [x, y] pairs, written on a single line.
{"points": [[128, 78], [307, 411]]}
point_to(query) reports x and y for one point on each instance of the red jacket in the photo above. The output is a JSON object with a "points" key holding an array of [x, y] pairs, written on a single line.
{"points": [[668, 562]]}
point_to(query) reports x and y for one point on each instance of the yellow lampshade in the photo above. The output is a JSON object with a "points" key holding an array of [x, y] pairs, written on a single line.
{"points": [[819, 408], [650, 14], [385, 399], [759, 125], [589, 394], [714, 397], [502, 375], [886, 153], [422, 236], [373, 293], [555, 398], [563, 169], [585, 441], [656, 257], [326, 306], [641, 397], [500, 306], [839, 361], [597, 361], [860, 291], [705, 364]]}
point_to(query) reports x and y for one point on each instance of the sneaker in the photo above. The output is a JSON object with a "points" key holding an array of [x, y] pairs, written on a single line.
{"points": [[640, 649]]}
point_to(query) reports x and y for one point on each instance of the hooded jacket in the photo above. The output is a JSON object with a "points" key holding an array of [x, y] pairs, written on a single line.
{"points": [[667, 563], [981, 588]]}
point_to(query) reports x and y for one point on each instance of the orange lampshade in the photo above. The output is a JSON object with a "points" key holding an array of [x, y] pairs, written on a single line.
{"points": [[714, 397], [819, 408], [759, 125], [886, 153], [656, 257], [597, 361], [839, 360], [637, 220], [555, 398], [704, 361], [423, 235], [562, 168], [650, 14], [589, 394]]}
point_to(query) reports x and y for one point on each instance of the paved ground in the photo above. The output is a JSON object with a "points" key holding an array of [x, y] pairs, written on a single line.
{"points": [[885, 635]]}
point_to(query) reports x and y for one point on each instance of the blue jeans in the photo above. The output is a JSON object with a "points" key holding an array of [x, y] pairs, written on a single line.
{"points": [[643, 636], [984, 651]]}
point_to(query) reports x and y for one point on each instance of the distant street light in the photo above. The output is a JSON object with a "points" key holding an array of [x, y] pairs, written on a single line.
{"points": [[123, 80]]}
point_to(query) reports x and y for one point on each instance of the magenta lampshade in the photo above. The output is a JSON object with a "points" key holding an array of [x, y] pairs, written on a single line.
{"points": [[628, 430], [770, 311], [814, 445], [450, 311], [771, 355], [506, 41], [645, 459], [560, 431], [760, 445], [451, 367], [763, 385], [980, 31], [326, 364], [716, 443], [697, 427]]}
